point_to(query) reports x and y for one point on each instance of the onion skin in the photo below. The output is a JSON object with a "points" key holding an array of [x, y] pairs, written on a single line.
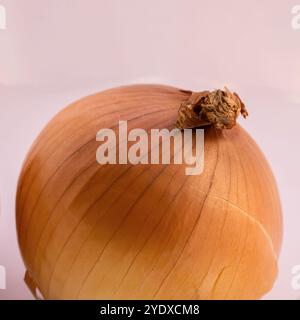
{"points": [[90, 231]]}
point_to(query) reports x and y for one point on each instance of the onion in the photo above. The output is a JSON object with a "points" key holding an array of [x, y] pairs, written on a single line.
{"points": [[124, 231]]}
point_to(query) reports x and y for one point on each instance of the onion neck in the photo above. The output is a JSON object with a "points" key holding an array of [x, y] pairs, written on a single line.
{"points": [[219, 108]]}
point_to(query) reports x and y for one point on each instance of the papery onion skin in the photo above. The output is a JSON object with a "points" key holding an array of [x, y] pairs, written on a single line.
{"points": [[90, 231]]}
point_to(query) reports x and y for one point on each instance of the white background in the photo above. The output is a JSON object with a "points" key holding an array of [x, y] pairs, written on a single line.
{"points": [[56, 51]]}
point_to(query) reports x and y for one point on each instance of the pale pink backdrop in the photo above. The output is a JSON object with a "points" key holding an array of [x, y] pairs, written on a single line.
{"points": [[55, 51]]}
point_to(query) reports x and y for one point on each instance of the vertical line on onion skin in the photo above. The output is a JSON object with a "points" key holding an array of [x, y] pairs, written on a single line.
{"points": [[245, 240], [83, 103], [196, 223], [150, 235], [99, 257], [25, 234], [69, 237], [124, 219], [21, 215], [225, 218], [78, 224]]}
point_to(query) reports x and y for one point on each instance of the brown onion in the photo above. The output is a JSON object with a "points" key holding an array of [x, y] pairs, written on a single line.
{"points": [[145, 231]]}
